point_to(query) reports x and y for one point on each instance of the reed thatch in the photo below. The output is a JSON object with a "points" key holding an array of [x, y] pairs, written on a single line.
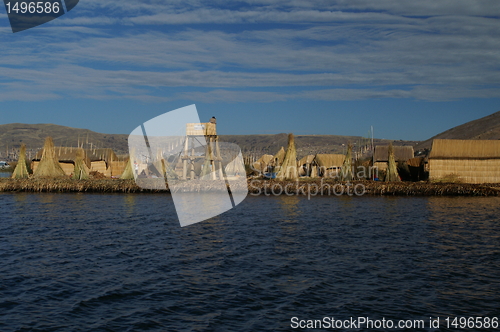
{"points": [[49, 165], [329, 160], [262, 163], [346, 170], [21, 170], [306, 160], [381, 155], [401, 153], [328, 164], [81, 171], [415, 162], [469, 161], [392, 168], [465, 149], [288, 169]]}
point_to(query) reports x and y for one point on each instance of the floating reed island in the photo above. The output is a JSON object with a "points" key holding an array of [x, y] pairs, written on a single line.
{"points": [[453, 168], [256, 187]]}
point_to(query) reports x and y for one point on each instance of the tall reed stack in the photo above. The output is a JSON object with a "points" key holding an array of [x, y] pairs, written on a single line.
{"points": [[392, 169], [288, 169], [128, 172], [81, 171], [346, 171], [49, 165], [21, 170]]}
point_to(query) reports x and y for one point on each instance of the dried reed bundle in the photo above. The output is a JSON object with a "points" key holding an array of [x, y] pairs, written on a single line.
{"points": [[21, 171], [128, 172], [49, 164], [288, 170], [392, 169], [346, 171], [81, 171]]}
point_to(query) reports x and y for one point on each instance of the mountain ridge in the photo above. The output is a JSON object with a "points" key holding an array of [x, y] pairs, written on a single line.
{"points": [[487, 128]]}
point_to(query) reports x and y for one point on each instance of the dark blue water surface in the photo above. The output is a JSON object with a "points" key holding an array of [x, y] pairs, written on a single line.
{"points": [[118, 262]]}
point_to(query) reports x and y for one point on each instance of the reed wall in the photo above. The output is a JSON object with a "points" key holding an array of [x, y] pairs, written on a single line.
{"points": [[465, 170]]}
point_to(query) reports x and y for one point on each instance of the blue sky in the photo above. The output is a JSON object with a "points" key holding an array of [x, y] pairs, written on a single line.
{"points": [[409, 68]]}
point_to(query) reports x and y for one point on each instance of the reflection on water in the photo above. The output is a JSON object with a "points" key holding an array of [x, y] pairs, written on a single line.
{"points": [[129, 202], [289, 205]]}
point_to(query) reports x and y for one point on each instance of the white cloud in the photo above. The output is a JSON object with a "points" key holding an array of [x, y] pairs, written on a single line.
{"points": [[329, 51]]}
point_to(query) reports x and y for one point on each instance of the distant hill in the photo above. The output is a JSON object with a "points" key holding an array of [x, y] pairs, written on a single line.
{"points": [[33, 135], [483, 128]]}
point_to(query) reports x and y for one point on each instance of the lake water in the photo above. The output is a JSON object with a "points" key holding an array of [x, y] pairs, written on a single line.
{"points": [[118, 262]]}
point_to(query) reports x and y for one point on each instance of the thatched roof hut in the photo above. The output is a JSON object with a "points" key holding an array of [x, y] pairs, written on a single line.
{"points": [[381, 155], [48, 165], [306, 160], [260, 166], [102, 160], [346, 171], [21, 170], [329, 164], [470, 161]]}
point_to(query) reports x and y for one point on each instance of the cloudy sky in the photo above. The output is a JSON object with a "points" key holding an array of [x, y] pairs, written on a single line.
{"points": [[409, 68]]}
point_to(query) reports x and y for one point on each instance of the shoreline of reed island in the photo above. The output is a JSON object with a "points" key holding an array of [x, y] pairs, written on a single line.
{"points": [[305, 187]]}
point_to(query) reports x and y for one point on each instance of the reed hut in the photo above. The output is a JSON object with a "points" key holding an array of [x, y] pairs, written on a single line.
{"points": [[328, 165], [103, 160], [118, 165], [469, 161], [391, 173], [306, 166], [288, 169], [21, 170], [48, 165], [262, 164], [381, 155]]}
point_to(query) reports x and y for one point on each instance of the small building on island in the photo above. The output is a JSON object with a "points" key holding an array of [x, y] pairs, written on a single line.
{"points": [[328, 165], [469, 161], [381, 155]]}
